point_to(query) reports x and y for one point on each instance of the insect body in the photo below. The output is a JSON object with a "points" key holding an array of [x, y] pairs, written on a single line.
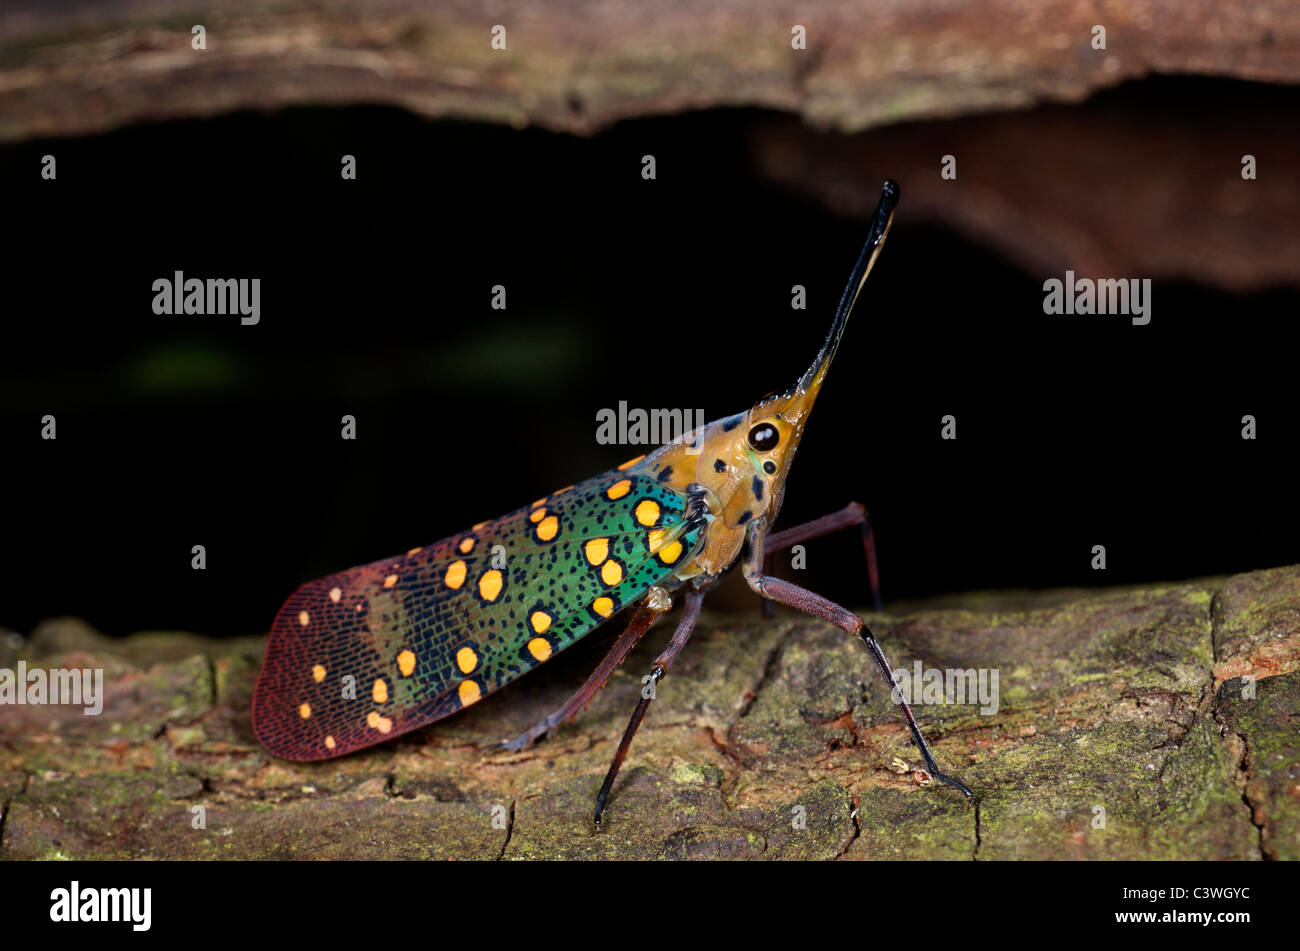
{"points": [[430, 632]]}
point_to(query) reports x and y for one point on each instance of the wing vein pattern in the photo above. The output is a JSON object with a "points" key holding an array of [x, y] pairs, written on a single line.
{"points": [[364, 655]]}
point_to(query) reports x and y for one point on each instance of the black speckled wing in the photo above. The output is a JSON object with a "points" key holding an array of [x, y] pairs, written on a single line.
{"points": [[359, 657]]}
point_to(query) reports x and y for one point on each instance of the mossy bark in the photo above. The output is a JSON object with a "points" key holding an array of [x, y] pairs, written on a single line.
{"points": [[1128, 727]]}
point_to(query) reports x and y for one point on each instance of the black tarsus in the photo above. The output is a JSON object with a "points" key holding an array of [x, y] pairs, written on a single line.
{"points": [[931, 766]]}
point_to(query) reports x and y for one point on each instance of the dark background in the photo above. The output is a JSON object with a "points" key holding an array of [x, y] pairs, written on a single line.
{"points": [[176, 431]]}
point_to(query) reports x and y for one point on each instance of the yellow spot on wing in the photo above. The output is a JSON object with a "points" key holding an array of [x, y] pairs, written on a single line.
{"points": [[670, 553], [414, 551], [304, 711], [489, 586], [375, 721], [469, 692], [548, 528], [318, 673], [656, 538], [406, 662], [647, 511], [631, 462], [380, 691], [335, 594], [596, 550], [304, 618], [603, 606], [540, 621], [466, 660], [618, 489], [611, 573], [455, 576], [536, 515], [390, 581], [540, 648], [538, 502], [467, 545], [329, 743]]}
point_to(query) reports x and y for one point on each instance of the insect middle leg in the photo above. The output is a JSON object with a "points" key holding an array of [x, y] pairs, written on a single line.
{"points": [[685, 625], [814, 604], [854, 513], [636, 628]]}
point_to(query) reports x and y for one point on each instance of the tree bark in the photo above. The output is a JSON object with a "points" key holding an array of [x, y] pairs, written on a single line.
{"points": [[1127, 727], [577, 66]]}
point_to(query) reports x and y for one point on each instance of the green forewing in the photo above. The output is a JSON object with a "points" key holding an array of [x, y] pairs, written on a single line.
{"points": [[359, 657]]}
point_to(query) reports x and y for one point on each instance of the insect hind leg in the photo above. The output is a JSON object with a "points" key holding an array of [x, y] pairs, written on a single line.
{"points": [[685, 625], [636, 629]]}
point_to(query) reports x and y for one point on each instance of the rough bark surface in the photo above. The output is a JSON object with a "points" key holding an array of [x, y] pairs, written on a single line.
{"points": [[1108, 189], [72, 68], [769, 739]]}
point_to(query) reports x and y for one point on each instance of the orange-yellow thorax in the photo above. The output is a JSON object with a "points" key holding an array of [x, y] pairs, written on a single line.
{"points": [[741, 462]]}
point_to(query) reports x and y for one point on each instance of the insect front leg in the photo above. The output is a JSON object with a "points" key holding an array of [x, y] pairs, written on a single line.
{"points": [[642, 621], [804, 600], [685, 625], [855, 513]]}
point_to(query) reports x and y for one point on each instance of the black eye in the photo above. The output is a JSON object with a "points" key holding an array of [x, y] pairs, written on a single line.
{"points": [[764, 437]]}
